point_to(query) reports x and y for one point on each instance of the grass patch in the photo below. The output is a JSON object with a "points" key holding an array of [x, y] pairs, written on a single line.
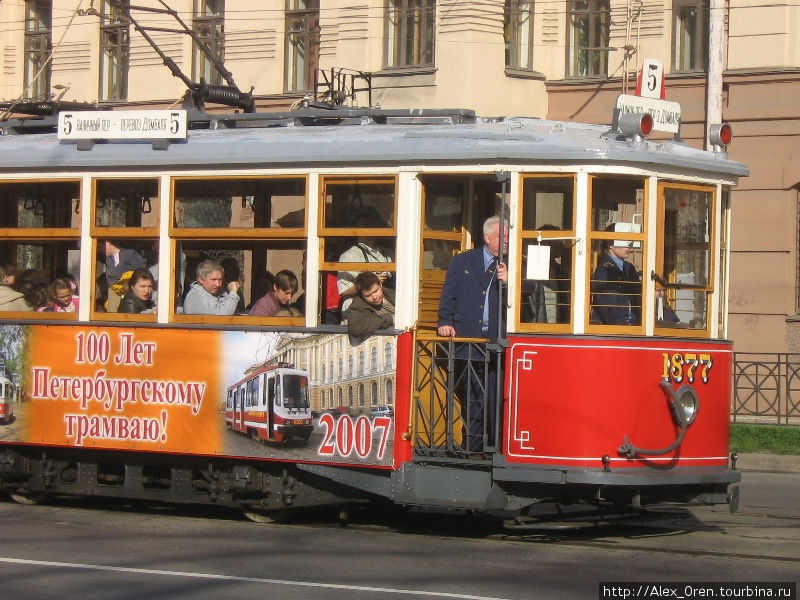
{"points": [[765, 438]]}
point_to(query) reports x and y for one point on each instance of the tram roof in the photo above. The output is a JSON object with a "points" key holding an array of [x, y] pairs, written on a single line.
{"points": [[289, 140]]}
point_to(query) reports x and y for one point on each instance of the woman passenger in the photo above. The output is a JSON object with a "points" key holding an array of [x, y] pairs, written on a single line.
{"points": [[138, 298]]}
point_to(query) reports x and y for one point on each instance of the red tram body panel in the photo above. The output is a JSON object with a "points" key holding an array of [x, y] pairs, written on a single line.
{"points": [[571, 402]]}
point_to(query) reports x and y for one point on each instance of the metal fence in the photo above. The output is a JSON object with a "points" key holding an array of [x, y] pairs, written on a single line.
{"points": [[766, 388]]}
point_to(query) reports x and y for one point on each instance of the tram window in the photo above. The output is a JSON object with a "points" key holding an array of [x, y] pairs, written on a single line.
{"points": [[357, 231], [40, 205], [38, 263], [247, 203], [547, 203], [547, 236], [684, 280], [126, 203], [117, 261], [243, 261], [616, 281], [617, 201]]}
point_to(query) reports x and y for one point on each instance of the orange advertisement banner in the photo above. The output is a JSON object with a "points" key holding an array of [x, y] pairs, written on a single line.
{"points": [[257, 394], [134, 389]]}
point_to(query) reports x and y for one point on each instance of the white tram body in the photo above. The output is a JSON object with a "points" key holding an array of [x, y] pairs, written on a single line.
{"points": [[270, 404]]}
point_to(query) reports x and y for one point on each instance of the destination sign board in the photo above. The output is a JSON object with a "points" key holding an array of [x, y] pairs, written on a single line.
{"points": [[666, 115], [122, 124]]}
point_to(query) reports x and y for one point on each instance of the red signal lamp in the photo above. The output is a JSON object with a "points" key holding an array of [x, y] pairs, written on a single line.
{"points": [[720, 134], [635, 125]]}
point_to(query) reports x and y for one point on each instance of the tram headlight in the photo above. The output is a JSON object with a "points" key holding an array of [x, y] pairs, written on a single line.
{"points": [[685, 404]]}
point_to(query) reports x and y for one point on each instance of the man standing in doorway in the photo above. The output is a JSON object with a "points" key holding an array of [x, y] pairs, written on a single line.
{"points": [[469, 307]]}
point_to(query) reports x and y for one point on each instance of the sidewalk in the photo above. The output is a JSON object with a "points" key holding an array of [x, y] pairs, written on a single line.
{"points": [[769, 462]]}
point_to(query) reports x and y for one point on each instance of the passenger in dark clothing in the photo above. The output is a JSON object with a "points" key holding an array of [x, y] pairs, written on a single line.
{"points": [[372, 307], [616, 288], [138, 299]]}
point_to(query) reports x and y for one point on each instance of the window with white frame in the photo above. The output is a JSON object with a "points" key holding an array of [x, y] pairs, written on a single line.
{"points": [[208, 25], [115, 47], [410, 27], [302, 44], [38, 39], [588, 30], [517, 31]]}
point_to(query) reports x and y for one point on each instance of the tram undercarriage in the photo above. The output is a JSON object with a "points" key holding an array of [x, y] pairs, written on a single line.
{"points": [[261, 489]]}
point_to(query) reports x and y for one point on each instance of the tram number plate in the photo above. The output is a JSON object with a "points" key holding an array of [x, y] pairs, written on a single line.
{"points": [[688, 365], [345, 436]]}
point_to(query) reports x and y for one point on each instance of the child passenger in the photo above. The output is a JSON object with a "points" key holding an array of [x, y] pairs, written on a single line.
{"points": [[65, 299]]}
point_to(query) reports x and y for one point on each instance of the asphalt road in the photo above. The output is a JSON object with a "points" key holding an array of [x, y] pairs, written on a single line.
{"points": [[110, 550]]}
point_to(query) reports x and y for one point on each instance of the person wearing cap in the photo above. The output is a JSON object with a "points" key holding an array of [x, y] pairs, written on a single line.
{"points": [[616, 286]]}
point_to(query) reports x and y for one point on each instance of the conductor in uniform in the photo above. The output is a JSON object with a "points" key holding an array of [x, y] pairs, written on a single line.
{"points": [[468, 307], [616, 286]]}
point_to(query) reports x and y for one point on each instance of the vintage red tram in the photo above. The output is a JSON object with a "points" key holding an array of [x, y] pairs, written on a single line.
{"points": [[626, 413]]}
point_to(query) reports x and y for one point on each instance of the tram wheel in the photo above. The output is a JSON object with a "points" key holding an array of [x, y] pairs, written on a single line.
{"points": [[27, 498], [265, 516]]}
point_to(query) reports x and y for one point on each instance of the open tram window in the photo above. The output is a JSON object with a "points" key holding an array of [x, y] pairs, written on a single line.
{"points": [[39, 225], [684, 275], [357, 230], [125, 233], [252, 264], [547, 236], [255, 229], [240, 203], [617, 257]]}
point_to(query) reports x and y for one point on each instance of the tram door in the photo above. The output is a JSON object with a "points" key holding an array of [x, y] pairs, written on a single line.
{"points": [[453, 211]]}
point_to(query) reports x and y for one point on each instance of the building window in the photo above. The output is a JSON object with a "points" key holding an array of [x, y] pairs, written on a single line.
{"points": [[330, 372], [115, 47], [374, 396], [389, 391], [38, 37], [387, 356], [341, 368], [588, 30], [360, 363], [350, 396], [689, 39], [410, 33], [361, 398], [322, 377], [302, 44], [340, 397], [209, 26], [373, 360], [350, 365], [517, 30]]}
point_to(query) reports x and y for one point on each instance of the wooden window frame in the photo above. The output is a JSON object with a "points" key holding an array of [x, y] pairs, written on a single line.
{"points": [[710, 286], [525, 236], [248, 234], [593, 236]]}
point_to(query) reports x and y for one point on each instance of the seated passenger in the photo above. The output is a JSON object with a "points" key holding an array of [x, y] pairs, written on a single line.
{"points": [[138, 298], [10, 299], [206, 297], [372, 308], [284, 287], [41, 297], [64, 296]]}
